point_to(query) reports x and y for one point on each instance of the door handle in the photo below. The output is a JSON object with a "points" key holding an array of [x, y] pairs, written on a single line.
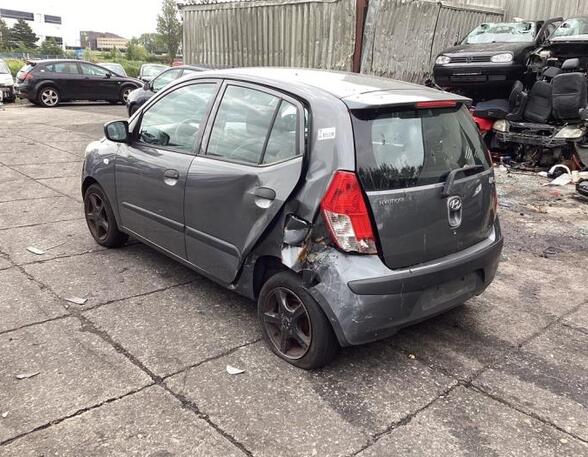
{"points": [[265, 193], [171, 174]]}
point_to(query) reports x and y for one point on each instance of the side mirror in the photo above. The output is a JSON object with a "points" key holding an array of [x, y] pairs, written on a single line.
{"points": [[147, 86], [108, 75], [117, 131]]}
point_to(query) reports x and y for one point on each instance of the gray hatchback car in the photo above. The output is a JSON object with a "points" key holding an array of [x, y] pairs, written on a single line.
{"points": [[347, 206]]}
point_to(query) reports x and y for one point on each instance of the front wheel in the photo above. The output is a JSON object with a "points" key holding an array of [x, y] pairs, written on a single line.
{"points": [[100, 219], [48, 97], [124, 94], [293, 324]]}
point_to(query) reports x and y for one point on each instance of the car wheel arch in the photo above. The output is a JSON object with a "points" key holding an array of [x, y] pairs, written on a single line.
{"points": [[265, 267]]}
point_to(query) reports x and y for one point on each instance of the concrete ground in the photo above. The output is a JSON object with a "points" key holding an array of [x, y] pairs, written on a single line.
{"points": [[140, 368]]}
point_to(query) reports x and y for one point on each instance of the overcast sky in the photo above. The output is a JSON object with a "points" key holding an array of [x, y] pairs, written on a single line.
{"points": [[127, 18]]}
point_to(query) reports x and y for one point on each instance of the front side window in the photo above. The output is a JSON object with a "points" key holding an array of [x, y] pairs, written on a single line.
{"points": [[93, 70], [253, 127], [410, 148], [63, 67], [165, 78], [175, 120], [503, 32]]}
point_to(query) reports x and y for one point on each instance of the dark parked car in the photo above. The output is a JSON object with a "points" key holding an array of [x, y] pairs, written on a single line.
{"points": [[569, 41], [6, 83], [139, 96], [148, 71], [50, 82], [348, 206], [492, 57]]}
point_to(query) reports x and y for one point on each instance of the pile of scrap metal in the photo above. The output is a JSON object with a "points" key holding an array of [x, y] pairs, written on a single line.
{"points": [[544, 121]]}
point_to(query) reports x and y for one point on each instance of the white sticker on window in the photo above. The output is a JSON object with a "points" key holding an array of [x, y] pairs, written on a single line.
{"points": [[326, 134]]}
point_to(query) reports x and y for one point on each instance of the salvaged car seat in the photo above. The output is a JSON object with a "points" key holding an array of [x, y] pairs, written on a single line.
{"points": [[517, 102], [539, 103], [570, 94]]}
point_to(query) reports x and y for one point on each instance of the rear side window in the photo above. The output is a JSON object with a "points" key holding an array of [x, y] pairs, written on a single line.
{"points": [[410, 148], [253, 127], [63, 67]]}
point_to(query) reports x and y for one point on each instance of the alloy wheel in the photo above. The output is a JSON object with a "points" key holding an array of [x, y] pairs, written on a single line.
{"points": [[96, 216], [49, 97], [287, 323], [125, 95]]}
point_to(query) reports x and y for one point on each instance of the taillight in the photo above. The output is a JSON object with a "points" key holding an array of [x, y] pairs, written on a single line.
{"points": [[346, 215], [433, 104], [28, 77], [494, 201]]}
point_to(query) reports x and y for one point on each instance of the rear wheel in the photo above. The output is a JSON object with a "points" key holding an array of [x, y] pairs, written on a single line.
{"points": [[100, 219], [48, 97], [293, 324]]}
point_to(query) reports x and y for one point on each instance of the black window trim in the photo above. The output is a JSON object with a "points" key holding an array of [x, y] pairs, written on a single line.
{"points": [[282, 96], [135, 142]]}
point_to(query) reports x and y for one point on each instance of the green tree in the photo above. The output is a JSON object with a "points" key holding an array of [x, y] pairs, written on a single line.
{"points": [[49, 47], [4, 36], [169, 27], [21, 35], [135, 51], [152, 42]]}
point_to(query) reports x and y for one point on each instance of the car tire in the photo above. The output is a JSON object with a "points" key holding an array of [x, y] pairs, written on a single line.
{"points": [[100, 219], [48, 97], [124, 94], [293, 325]]}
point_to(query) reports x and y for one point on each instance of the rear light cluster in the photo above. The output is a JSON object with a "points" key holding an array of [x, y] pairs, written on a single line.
{"points": [[346, 215]]}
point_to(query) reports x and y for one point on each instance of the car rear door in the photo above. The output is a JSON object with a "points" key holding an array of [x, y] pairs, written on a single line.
{"points": [[66, 76], [406, 162], [250, 163], [151, 172]]}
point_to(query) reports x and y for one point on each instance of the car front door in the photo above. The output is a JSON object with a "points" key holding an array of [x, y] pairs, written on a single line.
{"points": [[98, 83], [151, 172], [239, 182]]}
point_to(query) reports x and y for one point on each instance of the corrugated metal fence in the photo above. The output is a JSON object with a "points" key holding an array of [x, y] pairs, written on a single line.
{"points": [[401, 37], [300, 33]]}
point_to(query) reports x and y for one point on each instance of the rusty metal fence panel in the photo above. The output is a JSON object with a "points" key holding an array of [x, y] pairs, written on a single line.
{"points": [[301, 33], [402, 38]]}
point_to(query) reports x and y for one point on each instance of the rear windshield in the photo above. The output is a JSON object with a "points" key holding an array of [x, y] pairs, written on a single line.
{"points": [[3, 67], [410, 148], [26, 68]]}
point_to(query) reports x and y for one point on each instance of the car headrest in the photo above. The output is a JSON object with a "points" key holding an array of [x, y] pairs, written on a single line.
{"points": [[571, 64], [551, 72]]}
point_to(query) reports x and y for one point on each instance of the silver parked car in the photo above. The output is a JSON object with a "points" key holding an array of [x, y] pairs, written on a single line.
{"points": [[347, 206]]}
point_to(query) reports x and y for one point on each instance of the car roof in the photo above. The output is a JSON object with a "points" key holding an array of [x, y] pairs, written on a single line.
{"points": [[355, 90]]}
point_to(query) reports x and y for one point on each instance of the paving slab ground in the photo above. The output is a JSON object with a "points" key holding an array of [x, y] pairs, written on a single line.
{"points": [[140, 367]]}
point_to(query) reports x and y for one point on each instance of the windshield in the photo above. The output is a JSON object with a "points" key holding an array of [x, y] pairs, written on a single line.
{"points": [[503, 32], [572, 29], [410, 148], [3, 67], [152, 70]]}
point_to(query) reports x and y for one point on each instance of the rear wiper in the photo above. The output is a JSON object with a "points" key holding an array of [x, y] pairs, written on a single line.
{"points": [[448, 187]]}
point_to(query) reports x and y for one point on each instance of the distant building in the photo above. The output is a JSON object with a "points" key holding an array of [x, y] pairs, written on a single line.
{"points": [[43, 24], [102, 41]]}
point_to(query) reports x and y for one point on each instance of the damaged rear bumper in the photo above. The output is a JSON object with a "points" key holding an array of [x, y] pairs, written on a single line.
{"points": [[365, 310]]}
